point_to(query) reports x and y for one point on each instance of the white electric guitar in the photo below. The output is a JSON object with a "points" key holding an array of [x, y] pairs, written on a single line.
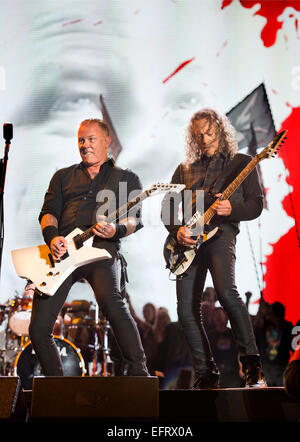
{"points": [[37, 265]]}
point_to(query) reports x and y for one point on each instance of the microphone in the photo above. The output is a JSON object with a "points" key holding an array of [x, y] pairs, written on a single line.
{"points": [[8, 132]]}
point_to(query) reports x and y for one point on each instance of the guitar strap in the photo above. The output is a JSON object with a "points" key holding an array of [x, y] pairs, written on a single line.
{"points": [[112, 183]]}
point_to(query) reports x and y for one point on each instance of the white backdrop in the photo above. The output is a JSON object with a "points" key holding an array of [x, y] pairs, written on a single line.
{"points": [[58, 57]]}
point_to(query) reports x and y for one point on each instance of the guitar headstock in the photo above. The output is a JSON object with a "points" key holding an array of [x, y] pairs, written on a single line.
{"points": [[273, 146], [158, 188]]}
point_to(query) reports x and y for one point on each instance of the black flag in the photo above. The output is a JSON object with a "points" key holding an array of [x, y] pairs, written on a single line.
{"points": [[115, 145], [253, 122]]}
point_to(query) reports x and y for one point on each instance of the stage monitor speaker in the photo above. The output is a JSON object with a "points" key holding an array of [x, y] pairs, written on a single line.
{"points": [[13, 404], [94, 397]]}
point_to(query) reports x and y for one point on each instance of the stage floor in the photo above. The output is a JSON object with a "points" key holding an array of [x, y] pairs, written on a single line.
{"points": [[138, 399], [223, 405], [228, 405]]}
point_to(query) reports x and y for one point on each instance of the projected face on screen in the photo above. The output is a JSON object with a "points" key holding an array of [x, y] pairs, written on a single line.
{"points": [[155, 65]]}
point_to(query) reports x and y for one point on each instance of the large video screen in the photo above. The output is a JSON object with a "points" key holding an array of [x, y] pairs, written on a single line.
{"points": [[154, 63]]}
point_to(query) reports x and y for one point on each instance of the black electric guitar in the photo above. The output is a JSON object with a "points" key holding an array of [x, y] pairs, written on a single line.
{"points": [[36, 264], [178, 257]]}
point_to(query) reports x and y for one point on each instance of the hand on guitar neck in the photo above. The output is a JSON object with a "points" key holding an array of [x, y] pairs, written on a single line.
{"points": [[222, 207], [104, 229]]}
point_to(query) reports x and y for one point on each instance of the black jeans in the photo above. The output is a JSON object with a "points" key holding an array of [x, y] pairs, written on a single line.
{"points": [[217, 256], [103, 278]]}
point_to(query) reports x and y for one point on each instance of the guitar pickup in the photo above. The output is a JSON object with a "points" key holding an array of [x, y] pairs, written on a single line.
{"points": [[78, 241], [52, 263], [66, 255]]}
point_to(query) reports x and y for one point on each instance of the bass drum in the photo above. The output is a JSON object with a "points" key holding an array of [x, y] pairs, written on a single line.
{"points": [[27, 366], [20, 314]]}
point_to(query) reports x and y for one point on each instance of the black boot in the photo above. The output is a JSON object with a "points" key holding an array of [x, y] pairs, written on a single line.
{"points": [[206, 380], [253, 374]]}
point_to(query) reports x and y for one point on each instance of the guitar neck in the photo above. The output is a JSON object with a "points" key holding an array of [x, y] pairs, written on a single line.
{"points": [[268, 152], [123, 210], [226, 194], [210, 212]]}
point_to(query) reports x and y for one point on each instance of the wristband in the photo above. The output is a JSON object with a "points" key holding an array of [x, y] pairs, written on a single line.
{"points": [[121, 231], [49, 233]]}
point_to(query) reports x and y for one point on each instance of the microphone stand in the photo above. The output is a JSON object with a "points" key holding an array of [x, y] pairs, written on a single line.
{"points": [[7, 135], [107, 367]]}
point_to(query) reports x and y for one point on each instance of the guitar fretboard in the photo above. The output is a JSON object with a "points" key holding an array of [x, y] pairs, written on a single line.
{"points": [[268, 151], [123, 210], [210, 212]]}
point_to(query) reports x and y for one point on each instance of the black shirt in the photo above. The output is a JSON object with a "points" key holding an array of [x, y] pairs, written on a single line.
{"points": [[72, 196]]}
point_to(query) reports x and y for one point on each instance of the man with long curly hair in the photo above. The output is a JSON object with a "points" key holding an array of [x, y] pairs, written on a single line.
{"points": [[212, 162]]}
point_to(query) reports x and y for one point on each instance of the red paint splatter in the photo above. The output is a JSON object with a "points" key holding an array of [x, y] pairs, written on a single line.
{"points": [[182, 65], [222, 47], [98, 23], [283, 264], [297, 28], [274, 91], [271, 10], [256, 302], [226, 3], [73, 22]]}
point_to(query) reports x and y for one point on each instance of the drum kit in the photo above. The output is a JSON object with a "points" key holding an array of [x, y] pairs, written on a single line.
{"points": [[81, 335]]}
